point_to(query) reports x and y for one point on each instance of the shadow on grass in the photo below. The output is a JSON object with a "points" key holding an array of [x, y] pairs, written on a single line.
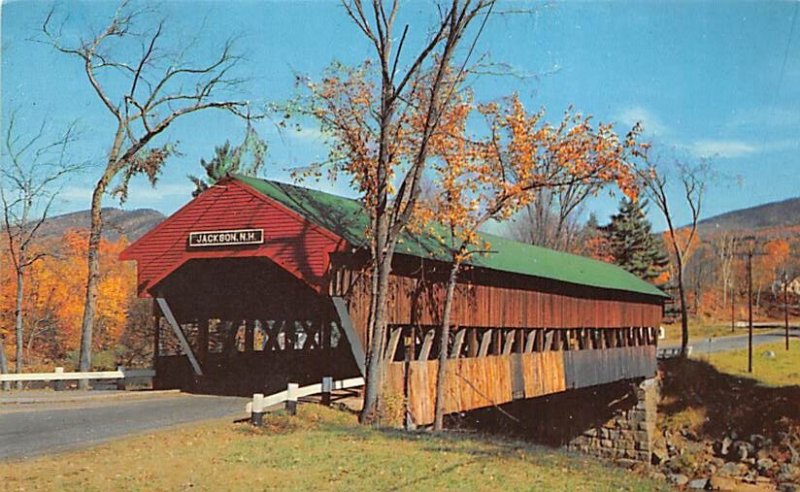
{"points": [[728, 402], [478, 448]]}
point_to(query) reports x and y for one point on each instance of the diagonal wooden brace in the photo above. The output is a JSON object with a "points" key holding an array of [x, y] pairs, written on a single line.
{"points": [[187, 349]]}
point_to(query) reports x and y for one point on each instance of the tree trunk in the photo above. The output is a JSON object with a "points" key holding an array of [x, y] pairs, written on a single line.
{"points": [[438, 422], [18, 320], [374, 378], [93, 275], [684, 310], [4, 362]]}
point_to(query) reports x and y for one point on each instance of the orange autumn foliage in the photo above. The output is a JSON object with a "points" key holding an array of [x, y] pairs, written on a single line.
{"points": [[493, 177], [55, 289]]}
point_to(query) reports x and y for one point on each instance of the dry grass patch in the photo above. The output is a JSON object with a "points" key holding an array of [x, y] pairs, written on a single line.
{"points": [[321, 449]]}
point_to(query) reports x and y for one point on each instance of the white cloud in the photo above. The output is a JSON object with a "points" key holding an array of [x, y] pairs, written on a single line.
{"points": [[140, 194], [773, 117], [721, 148], [639, 114], [143, 191], [75, 194]]}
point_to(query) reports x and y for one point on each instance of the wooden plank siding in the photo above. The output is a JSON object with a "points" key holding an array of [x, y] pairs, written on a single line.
{"points": [[534, 303], [480, 382]]}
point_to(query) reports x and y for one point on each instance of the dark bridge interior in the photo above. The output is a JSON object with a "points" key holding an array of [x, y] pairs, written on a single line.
{"points": [[252, 326]]}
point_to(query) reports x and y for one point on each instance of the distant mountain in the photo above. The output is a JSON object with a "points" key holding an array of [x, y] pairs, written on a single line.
{"points": [[130, 223], [779, 215]]}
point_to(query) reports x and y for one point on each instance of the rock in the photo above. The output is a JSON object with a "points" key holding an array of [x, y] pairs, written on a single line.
{"points": [[725, 446], [677, 479], [757, 440], [764, 465], [743, 450], [722, 483], [768, 354], [659, 456], [717, 462], [698, 484], [795, 460], [708, 468], [788, 472], [731, 469]]}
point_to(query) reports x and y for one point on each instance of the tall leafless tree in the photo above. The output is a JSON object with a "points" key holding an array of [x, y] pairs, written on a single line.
{"points": [[691, 181], [551, 220], [160, 86], [725, 246], [391, 212], [29, 177]]}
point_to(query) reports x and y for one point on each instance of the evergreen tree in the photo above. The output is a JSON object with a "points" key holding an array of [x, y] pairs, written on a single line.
{"points": [[246, 159], [633, 246]]}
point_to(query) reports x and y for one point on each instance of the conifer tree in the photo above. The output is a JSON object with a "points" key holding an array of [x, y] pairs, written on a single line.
{"points": [[634, 247], [247, 158]]}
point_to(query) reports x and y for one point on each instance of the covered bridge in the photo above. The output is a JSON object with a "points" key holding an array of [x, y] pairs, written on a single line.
{"points": [[258, 282]]}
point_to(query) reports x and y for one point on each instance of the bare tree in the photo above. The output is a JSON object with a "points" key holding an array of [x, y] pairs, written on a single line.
{"points": [[725, 247], [691, 179], [551, 220], [391, 212], [160, 87], [31, 171]]}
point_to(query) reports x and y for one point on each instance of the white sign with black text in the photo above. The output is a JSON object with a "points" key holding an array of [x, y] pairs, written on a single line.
{"points": [[236, 237]]}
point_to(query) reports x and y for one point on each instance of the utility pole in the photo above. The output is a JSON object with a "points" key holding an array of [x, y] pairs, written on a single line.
{"points": [[750, 310], [751, 251], [786, 305], [733, 308]]}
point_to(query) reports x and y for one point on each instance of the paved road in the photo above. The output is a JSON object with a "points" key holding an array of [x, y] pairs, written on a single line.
{"points": [[730, 343], [37, 428]]}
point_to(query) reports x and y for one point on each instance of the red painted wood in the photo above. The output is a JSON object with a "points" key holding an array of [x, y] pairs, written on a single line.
{"points": [[295, 244]]}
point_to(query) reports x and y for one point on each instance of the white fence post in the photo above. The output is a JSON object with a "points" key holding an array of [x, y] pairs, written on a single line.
{"points": [[327, 387], [291, 398], [121, 381], [58, 384], [257, 410]]}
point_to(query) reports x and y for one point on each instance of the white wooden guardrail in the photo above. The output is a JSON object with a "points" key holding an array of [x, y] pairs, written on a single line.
{"points": [[670, 352], [257, 408], [121, 374]]}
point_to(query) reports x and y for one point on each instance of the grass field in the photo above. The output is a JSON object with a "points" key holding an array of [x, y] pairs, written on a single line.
{"points": [[319, 449], [781, 370]]}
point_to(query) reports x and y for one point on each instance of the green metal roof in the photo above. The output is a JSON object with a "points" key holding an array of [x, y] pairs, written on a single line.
{"points": [[346, 218]]}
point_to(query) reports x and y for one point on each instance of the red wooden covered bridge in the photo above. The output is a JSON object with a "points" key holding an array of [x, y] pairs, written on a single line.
{"points": [[258, 283]]}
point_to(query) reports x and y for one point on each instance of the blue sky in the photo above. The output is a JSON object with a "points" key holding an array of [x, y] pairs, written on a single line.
{"points": [[708, 79]]}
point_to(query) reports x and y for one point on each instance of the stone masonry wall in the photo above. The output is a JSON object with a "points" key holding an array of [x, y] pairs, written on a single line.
{"points": [[629, 433], [616, 421]]}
